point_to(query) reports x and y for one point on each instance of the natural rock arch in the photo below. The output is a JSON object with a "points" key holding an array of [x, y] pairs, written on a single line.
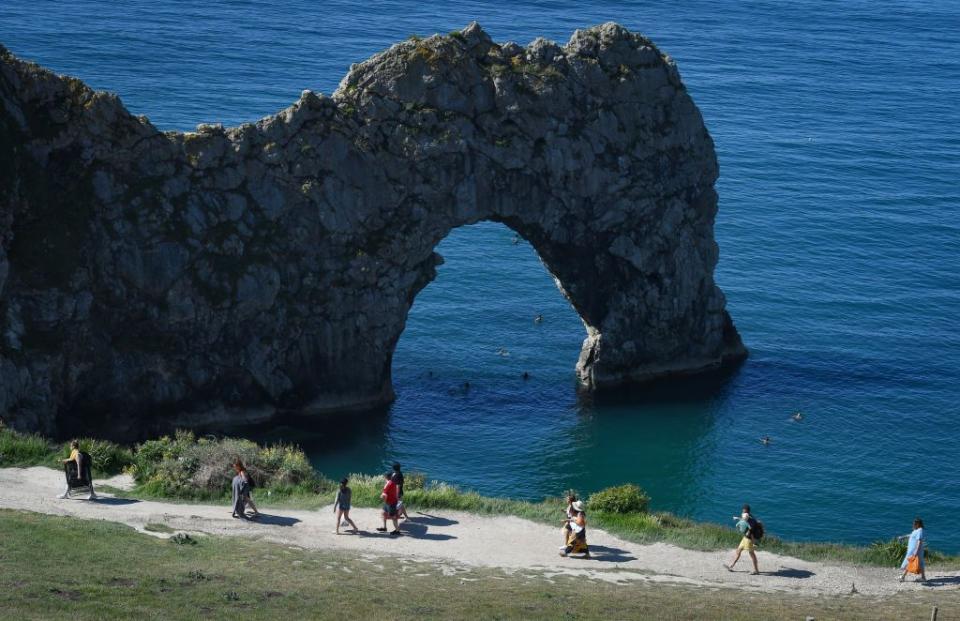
{"points": [[183, 279]]}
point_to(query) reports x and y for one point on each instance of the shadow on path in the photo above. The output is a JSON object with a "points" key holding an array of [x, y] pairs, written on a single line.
{"points": [[274, 520], [610, 555], [431, 520], [419, 531], [103, 500], [942, 581], [788, 572]]}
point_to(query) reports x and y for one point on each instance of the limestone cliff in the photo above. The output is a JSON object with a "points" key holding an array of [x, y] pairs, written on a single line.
{"points": [[154, 278]]}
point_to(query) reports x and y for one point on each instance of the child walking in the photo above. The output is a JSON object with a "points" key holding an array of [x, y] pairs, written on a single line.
{"points": [[341, 506]]}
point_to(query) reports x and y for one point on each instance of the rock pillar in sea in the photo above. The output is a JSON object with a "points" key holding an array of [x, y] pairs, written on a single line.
{"points": [[155, 279]]}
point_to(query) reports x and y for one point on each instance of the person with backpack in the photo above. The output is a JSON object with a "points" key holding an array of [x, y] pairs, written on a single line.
{"points": [[751, 532]]}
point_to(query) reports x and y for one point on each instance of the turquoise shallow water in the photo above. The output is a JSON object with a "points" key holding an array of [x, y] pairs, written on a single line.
{"points": [[838, 131]]}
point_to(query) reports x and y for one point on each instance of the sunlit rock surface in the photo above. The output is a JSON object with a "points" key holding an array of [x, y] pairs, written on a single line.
{"points": [[154, 279]]}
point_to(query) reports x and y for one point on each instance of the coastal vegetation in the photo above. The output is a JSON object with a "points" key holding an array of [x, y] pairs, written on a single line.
{"points": [[60, 567], [186, 467]]}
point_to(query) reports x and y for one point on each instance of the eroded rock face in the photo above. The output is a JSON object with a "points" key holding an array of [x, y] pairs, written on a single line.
{"points": [[159, 278]]}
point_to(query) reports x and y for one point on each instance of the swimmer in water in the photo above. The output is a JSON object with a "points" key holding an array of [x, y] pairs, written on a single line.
{"points": [[765, 440]]}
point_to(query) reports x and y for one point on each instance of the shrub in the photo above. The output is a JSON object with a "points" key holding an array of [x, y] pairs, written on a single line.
{"points": [[24, 449], [187, 467], [151, 454], [414, 480], [628, 498], [107, 457], [892, 552], [888, 552]]}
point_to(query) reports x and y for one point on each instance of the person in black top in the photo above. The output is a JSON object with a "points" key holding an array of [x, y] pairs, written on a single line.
{"points": [[398, 479]]}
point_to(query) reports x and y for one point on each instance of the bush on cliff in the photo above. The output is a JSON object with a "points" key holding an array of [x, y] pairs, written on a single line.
{"points": [[30, 449], [627, 498], [24, 449], [892, 552], [108, 458], [184, 466]]}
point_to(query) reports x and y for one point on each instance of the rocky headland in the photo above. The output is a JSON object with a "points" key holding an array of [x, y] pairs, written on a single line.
{"points": [[152, 279]]}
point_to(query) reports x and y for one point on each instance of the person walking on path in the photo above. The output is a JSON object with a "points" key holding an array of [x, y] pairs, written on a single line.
{"points": [[76, 456], [248, 498], [577, 536], [746, 526], [239, 487], [913, 560], [390, 497], [341, 506], [571, 498], [398, 479]]}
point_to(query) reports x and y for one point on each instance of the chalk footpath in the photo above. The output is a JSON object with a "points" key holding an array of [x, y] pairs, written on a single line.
{"points": [[454, 539]]}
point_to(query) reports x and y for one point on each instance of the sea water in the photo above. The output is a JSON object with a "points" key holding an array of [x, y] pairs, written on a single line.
{"points": [[837, 127]]}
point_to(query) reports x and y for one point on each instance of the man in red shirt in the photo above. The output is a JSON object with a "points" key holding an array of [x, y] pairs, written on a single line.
{"points": [[390, 497]]}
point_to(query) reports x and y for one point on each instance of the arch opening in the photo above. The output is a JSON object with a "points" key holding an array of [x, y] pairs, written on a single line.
{"points": [[492, 314]]}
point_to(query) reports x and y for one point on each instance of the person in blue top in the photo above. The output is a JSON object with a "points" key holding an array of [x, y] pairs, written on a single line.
{"points": [[915, 547]]}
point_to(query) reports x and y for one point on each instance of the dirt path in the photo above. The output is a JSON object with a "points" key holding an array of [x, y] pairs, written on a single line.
{"points": [[454, 539]]}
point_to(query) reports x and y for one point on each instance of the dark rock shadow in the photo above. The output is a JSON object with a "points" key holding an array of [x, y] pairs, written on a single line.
{"points": [[419, 531], [788, 572], [680, 388], [274, 520], [609, 555], [102, 500], [430, 520]]}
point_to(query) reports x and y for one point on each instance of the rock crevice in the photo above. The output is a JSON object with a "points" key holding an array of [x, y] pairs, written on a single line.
{"points": [[164, 278]]}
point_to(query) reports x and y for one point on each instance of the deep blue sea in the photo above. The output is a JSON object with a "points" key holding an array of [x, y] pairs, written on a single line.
{"points": [[838, 132]]}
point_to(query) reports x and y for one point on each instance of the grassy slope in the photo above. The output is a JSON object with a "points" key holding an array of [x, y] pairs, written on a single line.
{"points": [[54, 567]]}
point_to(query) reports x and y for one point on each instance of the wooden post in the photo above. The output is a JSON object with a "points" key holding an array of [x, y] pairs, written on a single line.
{"points": [[933, 614]]}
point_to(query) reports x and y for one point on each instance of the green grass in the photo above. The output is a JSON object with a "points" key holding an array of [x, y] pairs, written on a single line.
{"points": [[184, 468], [23, 449], [27, 449], [57, 567]]}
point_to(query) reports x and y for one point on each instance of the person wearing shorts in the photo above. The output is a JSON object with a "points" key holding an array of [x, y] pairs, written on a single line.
{"points": [[341, 506], [390, 497], [746, 541]]}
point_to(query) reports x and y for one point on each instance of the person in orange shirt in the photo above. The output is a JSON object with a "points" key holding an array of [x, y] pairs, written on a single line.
{"points": [[390, 497]]}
